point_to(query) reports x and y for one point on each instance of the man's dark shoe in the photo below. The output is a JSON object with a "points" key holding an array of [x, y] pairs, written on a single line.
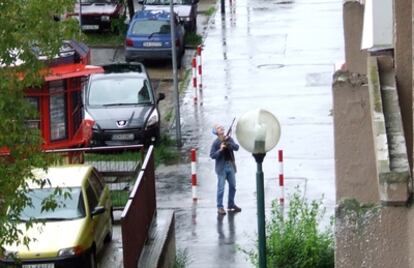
{"points": [[234, 209], [221, 211]]}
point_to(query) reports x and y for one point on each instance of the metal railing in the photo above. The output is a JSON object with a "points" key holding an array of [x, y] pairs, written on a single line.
{"points": [[119, 174], [138, 213]]}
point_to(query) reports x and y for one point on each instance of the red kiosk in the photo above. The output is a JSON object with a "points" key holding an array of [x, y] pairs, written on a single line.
{"points": [[59, 99]]}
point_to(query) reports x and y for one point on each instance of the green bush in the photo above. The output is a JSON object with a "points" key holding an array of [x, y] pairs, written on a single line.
{"points": [[181, 258], [193, 39], [294, 240]]}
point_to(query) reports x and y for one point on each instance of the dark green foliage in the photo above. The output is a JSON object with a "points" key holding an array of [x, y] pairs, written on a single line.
{"points": [[193, 39], [28, 28], [294, 240]]}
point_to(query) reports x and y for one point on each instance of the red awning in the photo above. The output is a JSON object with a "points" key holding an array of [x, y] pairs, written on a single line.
{"points": [[72, 70]]}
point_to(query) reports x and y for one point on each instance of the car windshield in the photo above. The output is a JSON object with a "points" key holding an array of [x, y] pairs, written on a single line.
{"points": [[68, 208], [167, 2], [147, 27], [118, 91]]}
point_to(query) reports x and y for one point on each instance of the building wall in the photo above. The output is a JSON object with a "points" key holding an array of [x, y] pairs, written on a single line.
{"points": [[353, 16], [371, 231], [376, 238], [404, 67], [355, 167], [367, 232]]}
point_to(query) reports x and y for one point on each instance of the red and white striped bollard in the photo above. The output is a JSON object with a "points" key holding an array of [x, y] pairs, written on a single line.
{"points": [[194, 174], [199, 68], [200, 74], [194, 69]]}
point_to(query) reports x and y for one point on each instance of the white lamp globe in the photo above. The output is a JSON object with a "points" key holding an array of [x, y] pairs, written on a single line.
{"points": [[258, 131]]}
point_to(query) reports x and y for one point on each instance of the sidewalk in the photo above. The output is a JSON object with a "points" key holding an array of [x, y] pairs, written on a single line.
{"points": [[276, 55]]}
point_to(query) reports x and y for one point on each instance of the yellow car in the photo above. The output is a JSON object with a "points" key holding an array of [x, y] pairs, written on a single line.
{"points": [[73, 233]]}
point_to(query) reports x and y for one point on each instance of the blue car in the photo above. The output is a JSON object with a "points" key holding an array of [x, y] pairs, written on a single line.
{"points": [[149, 37]]}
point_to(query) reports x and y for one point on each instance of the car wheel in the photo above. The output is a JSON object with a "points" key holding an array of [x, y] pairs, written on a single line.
{"points": [[92, 259]]}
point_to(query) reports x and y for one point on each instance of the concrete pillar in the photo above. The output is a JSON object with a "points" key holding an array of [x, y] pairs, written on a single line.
{"points": [[355, 164], [404, 67], [353, 17]]}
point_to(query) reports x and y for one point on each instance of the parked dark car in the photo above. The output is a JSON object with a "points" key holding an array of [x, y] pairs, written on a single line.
{"points": [[186, 10], [99, 15], [149, 37], [123, 105]]}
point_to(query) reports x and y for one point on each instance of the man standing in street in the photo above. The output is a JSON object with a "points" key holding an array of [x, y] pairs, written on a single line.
{"points": [[222, 151]]}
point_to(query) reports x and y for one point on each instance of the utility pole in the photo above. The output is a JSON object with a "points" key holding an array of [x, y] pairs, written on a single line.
{"points": [[174, 67], [80, 15], [131, 8]]}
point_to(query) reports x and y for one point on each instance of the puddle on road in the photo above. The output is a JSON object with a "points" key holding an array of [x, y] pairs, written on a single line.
{"points": [[270, 66], [284, 2]]}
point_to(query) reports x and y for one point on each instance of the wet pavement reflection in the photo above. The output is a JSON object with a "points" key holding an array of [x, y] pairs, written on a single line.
{"points": [[277, 55]]}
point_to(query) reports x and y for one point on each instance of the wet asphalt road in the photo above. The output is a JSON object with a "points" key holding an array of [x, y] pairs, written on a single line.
{"points": [[276, 55]]}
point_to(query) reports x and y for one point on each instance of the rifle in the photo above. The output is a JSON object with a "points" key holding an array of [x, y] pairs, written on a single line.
{"points": [[225, 143], [231, 126]]}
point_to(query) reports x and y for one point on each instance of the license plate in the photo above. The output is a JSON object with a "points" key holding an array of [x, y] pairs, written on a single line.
{"points": [[123, 137], [90, 27], [152, 44], [39, 265]]}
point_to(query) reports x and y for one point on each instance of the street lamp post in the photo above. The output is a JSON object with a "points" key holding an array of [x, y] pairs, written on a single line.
{"points": [[258, 131]]}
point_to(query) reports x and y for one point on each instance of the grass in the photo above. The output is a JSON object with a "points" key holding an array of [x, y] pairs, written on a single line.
{"points": [[184, 83], [166, 152], [294, 239], [119, 197], [123, 156], [104, 39], [168, 116], [115, 37], [181, 259], [193, 39], [210, 11]]}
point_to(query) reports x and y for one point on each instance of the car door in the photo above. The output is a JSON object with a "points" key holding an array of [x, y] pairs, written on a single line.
{"points": [[95, 199]]}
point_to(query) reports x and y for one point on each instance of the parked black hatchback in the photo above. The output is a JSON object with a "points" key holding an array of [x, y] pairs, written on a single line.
{"points": [[123, 105]]}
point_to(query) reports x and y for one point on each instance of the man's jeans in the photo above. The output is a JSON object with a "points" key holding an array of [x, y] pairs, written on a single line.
{"points": [[229, 175]]}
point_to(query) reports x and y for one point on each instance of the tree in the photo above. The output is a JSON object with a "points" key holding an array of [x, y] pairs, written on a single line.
{"points": [[28, 27]]}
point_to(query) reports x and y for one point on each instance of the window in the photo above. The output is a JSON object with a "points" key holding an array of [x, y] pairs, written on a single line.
{"points": [[34, 123], [150, 27], [68, 208], [58, 124], [96, 184], [118, 91], [92, 199], [76, 95]]}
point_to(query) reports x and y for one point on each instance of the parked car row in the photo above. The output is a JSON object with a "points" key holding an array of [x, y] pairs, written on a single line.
{"points": [[149, 31], [122, 103]]}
